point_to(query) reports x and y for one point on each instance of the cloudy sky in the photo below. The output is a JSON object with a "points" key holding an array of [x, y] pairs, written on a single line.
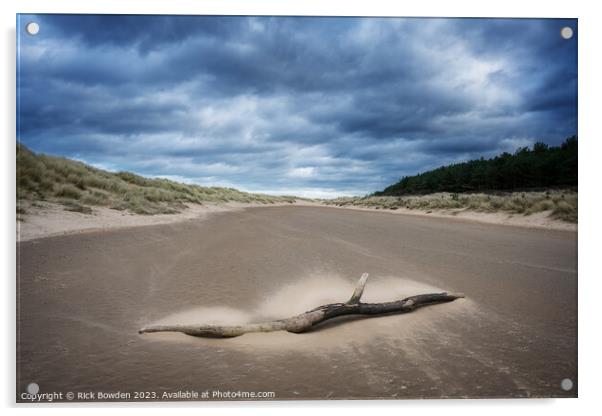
{"points": [[308, 106]]}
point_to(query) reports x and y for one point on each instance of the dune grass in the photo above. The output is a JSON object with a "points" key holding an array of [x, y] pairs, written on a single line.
{"points": [[562, 204], [79, 187]]}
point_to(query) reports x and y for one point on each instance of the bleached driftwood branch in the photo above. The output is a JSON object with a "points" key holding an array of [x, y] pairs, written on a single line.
{"points": [[306, 320]]}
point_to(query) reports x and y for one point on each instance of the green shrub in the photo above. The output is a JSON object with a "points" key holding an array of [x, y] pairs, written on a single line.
{"points": [[565, 211], [76, 207], [96, 198], [68, 191]]}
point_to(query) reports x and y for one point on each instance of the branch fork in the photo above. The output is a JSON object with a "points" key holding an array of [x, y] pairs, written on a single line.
{"points": [[307, 320]]}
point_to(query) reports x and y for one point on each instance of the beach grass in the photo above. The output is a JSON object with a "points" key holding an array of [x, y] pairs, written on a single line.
{"points": [[561, 204], [79, 187]]}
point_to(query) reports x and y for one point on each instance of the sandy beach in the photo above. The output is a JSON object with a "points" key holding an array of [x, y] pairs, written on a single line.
{"points": [[82, 298], [48, 219]]}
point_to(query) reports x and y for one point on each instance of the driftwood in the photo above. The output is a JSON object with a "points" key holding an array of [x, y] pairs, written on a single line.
{"points": [[309, 319]]}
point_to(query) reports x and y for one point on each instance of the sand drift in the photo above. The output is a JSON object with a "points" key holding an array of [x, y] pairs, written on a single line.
{"points": [[307, 320]]}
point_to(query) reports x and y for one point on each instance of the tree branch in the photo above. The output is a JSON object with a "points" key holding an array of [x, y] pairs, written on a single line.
{"points": [[359, 290], [305, 321]]}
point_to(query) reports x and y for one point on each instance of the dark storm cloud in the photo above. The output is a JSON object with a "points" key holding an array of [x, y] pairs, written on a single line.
{"points": [[318, 106]]}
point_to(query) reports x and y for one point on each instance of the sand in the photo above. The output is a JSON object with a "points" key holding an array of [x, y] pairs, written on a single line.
{"points": [[82, 298], [541, 220], [48, 219]]}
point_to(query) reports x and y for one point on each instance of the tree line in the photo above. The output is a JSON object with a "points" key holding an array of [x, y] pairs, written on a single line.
{"points": [[541, 166]]}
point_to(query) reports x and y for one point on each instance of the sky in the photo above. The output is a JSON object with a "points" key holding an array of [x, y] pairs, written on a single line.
{"points": [[307, 106]]}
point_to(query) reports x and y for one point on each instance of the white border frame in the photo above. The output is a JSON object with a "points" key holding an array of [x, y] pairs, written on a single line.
{"points": [[589, 228]]}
